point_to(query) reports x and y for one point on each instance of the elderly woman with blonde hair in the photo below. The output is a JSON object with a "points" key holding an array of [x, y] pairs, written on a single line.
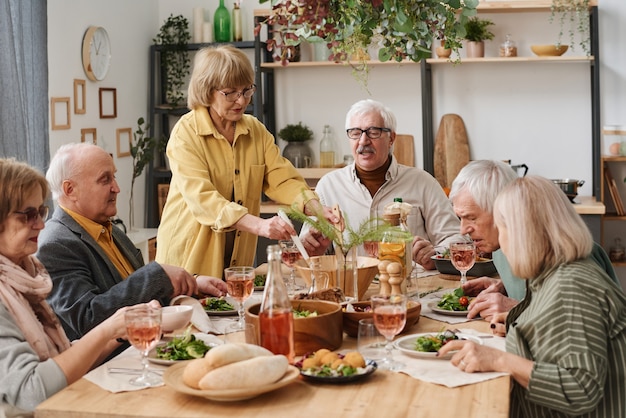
{"points": [[566, 340]]}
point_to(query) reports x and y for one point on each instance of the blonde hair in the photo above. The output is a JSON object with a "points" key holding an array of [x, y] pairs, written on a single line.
{"points": [[543, 229], [17, 180], [217, 68]]}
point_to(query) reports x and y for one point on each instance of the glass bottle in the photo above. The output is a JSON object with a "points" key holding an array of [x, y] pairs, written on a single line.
{"points": [[221, 22], [275, 315], [508, 48], [237, 25], [327, 149]]}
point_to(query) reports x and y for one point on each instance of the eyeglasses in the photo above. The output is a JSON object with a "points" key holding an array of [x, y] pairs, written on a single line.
{"points": [[372, 132], [235, 95], [32, 214]]}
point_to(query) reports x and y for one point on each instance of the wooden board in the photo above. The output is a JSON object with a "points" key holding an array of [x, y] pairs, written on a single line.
{"points": [[451, 149], [404, 149]]}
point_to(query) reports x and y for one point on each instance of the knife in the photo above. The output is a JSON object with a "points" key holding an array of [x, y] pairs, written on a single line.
{"points": [[294, 238]]}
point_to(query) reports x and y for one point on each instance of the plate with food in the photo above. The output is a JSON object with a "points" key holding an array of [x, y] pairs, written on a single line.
{"points": [[222, 306], [426, 345], [453, 303], [259, 282], [325, 366], [182, 348], [173, 377]]}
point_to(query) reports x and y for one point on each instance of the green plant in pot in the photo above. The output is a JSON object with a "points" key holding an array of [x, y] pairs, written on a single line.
{"points": [[174, 36], [476, 33], [297, 151], [142, 152]]}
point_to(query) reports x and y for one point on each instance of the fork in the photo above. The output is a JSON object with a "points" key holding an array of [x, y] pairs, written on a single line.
{"points": [[458, 331], [127, 370]]}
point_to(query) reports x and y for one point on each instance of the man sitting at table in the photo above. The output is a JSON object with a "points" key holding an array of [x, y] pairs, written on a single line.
{"points": [[473, 192], [362, 189], [94, 266]]}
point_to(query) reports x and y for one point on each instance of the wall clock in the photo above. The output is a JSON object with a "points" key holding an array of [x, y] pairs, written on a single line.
{"points": [[96, 53]]}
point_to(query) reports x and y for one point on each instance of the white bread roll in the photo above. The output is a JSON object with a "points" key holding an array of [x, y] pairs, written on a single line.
{"points": [[225, 354], [245, 374], [194, 371]]}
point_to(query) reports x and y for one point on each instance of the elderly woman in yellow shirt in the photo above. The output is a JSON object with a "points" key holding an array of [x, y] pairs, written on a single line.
{"points": [[222, 160]]}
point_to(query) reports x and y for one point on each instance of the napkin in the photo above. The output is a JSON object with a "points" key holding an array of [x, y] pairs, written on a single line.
{"points": [[442, 372], [199, 318], [434, 298]]}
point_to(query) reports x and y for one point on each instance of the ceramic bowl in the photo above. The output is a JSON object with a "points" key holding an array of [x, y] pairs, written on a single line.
{"points": [[549, 50], [351, 319], [311, 333], [482, 267], [368, 268], [175, 317]]}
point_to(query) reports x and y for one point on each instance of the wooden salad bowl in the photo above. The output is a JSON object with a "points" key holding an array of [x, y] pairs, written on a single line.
{"points": [[351, 319]]}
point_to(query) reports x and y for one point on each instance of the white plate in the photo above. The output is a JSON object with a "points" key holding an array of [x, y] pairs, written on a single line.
{"points": [[224, 313], [433, 307], [173, 377], [407, 345], [209, 340]]}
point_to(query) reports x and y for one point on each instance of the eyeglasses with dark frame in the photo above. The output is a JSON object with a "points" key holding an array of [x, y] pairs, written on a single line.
{"points": [[373, 132], [32, 214], [233, 96]]}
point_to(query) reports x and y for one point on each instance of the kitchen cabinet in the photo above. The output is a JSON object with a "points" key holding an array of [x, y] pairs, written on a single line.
{"points": [[616, 166]]}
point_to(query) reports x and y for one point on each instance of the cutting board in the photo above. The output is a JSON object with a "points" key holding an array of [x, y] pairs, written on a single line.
{"points": [[403, 150], [451, 149]]}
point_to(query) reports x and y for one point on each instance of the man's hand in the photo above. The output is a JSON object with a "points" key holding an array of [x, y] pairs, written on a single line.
{"points": [[422, 252], [183, 282], [483, 284], [489, 304], [314, 242], [211, 286]]}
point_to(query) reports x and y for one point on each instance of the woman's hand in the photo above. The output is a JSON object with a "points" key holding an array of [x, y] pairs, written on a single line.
{"points": [[498, 324]]}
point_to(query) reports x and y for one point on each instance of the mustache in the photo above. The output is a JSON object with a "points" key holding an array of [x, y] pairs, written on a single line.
{"points": [[365, 148]]}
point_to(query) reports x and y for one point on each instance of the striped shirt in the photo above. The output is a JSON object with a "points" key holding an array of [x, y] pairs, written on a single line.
{"points": [[572, 324]]}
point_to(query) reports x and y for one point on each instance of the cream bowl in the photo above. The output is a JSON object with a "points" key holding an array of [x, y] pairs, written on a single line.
{"points": [[175, 317], [549, 50]]}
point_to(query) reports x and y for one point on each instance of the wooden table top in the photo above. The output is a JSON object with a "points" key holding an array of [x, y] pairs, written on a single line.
{"points": [[382, 394]]}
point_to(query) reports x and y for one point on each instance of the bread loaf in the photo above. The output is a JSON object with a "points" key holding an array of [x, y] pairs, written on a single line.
{"points": [[245, 374], [332, 295]]}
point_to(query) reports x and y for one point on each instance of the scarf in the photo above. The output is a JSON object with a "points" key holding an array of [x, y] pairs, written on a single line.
{"points": [[23, 290]]}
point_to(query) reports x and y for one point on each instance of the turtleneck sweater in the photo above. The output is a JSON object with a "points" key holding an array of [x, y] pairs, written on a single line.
{"points": [[372, 180]]}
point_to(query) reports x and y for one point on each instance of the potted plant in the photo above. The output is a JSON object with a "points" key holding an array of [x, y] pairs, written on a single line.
{"points": [[573, 18], [142, 152], [297, 151], [406, 28], [174, 36], [476, 33]]}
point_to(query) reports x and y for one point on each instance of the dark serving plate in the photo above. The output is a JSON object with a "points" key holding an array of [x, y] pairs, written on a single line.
{"points": [[370, 368], [481, 268]]}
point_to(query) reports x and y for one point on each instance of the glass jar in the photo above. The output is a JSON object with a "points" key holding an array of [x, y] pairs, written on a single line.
{"points": [[616, 253], [508, 48], [327, 149], [614, 139]]}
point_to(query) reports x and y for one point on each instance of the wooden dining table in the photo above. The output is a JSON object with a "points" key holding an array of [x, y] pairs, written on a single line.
{"points": [[382, 394]]}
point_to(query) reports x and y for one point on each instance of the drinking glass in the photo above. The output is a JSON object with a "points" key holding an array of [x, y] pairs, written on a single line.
{"points": [[143, 327], [463, 257], [240, 284], [290, 254], [389, 318]]}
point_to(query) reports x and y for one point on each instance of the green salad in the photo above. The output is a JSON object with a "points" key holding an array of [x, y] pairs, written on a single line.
{"points": [[432, 343], [185, 347], [455, 301], [216, 304], [259, 280]]}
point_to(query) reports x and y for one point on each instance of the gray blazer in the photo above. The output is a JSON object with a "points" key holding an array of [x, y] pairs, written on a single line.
{"points": [[87, 288]]}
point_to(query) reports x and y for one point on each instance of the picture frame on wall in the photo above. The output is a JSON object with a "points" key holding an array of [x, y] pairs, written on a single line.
{"points": [[80, 97], [123, 140], [60, 113], [107, 99], [88, 135]]}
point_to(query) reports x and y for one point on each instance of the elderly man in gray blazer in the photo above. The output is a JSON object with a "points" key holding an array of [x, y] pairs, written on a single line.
{"points": [[94, 266]]}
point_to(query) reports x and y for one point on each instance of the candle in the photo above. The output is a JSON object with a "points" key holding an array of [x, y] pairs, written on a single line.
{"points": [[207, 32], [198, 22]]}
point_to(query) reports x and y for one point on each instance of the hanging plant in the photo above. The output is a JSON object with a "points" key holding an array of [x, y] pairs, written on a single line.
{"points": [[404, 29], [175, 63], [142, 151], [573, 19]]}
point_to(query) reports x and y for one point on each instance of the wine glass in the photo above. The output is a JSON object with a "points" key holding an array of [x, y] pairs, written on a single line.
{"points": [[463, 257], [290, 254], [240, 284], [143, 327], [389, 317]]}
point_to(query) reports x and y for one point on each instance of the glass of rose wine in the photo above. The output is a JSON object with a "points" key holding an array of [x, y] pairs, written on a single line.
{"points": [[290, 254], [463, 257], [240, 284], [143, 328], [389, 318]]}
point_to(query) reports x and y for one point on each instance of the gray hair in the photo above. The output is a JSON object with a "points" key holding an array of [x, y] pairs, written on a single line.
{"points": [[366, 106], [64, 166], [483, 180], [543, 228]]}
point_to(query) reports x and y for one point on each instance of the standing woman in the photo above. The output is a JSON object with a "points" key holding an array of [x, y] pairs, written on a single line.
{"points": [[222, 160], [36, 359], [566, 340]]}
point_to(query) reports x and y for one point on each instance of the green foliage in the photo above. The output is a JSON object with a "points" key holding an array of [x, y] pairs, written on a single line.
{"points": [[573, 17], [296, 133], [477, 30], [142, 148], [404, 29], [175, 61]]}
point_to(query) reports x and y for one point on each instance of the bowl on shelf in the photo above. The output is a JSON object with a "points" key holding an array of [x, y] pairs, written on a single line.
{"points": [[482, 267], [175, 317], [549, 50], [368, 268], [312, 333], [351, 319]]}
